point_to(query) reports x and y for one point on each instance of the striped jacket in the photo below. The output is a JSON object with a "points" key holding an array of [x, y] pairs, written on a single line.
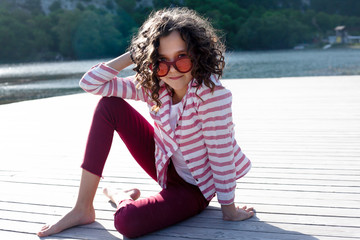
{"points": [[204, 131]]}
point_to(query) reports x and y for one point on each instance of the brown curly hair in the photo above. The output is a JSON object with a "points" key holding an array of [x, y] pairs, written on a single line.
{"points": [[204, 47]]}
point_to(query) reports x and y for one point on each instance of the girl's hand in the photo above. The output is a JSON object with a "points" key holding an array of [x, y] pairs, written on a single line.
{"points": [[232, 213]]}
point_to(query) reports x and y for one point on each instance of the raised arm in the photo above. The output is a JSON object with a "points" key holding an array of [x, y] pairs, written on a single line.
{"points": [[102, 80], [120, 62]]}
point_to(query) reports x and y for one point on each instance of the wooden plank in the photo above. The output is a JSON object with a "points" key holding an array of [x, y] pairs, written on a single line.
{"points": [[271, 184], [304, 183], [205, 222]]}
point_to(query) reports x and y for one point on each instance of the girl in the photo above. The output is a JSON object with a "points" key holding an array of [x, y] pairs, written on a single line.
{"points": [[191, 152]]}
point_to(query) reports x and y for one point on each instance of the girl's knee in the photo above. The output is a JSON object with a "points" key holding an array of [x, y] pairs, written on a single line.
{"points": [[127, 221]]}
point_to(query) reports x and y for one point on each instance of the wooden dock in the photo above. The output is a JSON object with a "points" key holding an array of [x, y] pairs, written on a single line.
{"points": [[302, 135]]}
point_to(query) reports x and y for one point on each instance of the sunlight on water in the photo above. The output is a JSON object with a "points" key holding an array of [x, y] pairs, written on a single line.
{"points": [[38, 80], [38, 69], [292, 63]]}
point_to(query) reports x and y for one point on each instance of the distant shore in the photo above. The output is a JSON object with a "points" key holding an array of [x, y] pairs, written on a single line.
{"points": [[26, 81]]}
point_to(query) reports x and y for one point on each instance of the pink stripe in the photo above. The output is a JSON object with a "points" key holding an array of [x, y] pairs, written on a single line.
{"points": [[101, 90], [159, 161], [225, 190], [188, 117], [157, 151], [168, 144], [133, 91], [157, 138], [108, 69], [209, 189], [216, 128], [166, 112], [189, 135], [216, 109], [186, 127], [217, 118], [218, 137], [201, 166], [161, 173], [237, 163], [83, 81], [111, 86], [231, 180], [192, 150], [237, 153], [115, 87], [204, 173], [198, 158], [86, 82], [221, 155], [207, 91], [219, 146], [124, 90], [196, 140], [97, 78], [244, 167], [91, 90], [222, 164], [205, 182], [224, 173], [218, 98]]}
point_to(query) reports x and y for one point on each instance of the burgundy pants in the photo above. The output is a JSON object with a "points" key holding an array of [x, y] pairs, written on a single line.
{"points": [[179, 201]]}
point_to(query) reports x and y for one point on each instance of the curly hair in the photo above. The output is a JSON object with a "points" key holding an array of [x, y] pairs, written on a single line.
{"points": [[204, 47]]}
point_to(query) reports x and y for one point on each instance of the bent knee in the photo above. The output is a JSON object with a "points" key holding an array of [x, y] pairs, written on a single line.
{"points": [[128, 222]]}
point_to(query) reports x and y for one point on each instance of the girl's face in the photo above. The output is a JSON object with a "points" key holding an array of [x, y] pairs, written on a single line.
{"points": [[171, 48]]}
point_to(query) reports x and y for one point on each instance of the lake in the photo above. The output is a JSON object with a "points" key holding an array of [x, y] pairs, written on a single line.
{"points": [[19, 82]]}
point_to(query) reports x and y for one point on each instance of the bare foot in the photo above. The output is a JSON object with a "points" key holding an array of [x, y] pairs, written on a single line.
{"points": [[116, 197], [75, 217]]}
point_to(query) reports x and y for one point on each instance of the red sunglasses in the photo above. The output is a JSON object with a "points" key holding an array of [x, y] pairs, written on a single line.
{"points": [[182, 64]]}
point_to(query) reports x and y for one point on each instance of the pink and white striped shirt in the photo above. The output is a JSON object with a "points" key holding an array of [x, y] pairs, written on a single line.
{"points": [[204, 130]]}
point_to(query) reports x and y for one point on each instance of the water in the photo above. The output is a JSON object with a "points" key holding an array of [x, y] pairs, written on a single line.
{"points": [[20, 82], [293, 63]]}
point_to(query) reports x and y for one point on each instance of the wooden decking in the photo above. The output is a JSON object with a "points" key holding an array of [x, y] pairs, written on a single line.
{"points": [[302, 135]]}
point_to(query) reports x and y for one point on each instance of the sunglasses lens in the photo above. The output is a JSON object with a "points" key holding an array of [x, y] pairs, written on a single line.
{"points": [[162, 70], [183, 65]]}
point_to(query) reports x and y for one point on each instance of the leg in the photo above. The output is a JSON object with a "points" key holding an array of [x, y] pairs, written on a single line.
{"points": [[176, 203], [111, 114], [135, 131], [82, 213]]}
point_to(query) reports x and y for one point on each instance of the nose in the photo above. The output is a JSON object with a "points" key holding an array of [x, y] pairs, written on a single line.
{"points": [[172, 69]]}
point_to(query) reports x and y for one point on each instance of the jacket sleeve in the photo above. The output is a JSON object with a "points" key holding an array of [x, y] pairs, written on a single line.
{"points": [[216, 116], [102, 80]]}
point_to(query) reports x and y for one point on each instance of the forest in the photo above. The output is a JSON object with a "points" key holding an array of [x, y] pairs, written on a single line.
{"points": [[91, 31]]}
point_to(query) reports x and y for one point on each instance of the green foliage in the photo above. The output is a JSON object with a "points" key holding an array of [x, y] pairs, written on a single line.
{"points": [[96, 36], [27, 34], [274, 30]]}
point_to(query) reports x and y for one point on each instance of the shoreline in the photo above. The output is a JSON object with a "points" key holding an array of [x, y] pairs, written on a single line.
{"points": [[36, 94]]}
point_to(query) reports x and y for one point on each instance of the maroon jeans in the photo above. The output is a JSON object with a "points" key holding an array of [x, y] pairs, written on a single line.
{"points": [[179, 201]]}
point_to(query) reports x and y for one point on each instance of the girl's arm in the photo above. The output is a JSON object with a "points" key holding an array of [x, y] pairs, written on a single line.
{"points": [[102, 80], [120, 62], [216, 116]]}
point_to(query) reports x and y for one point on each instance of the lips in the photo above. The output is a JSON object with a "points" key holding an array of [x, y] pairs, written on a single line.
{"points": [[175, 78]]}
